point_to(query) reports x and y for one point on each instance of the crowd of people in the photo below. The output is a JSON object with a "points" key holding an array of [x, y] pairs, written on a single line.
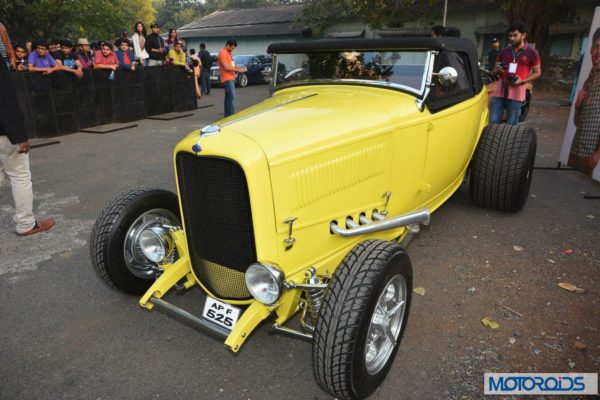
{"points": [[44, 58], [125, 53]]}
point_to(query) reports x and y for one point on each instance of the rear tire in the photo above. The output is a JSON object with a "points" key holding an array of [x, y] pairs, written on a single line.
{"points": [[113, 228], [502, 167], [351, 354]]}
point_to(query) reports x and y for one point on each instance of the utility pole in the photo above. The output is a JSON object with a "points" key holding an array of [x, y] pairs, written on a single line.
{"points": [[445, 11]]}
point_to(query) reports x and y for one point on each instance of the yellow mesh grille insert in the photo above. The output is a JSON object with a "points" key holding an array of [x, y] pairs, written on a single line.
{"points": [[224, 282]]}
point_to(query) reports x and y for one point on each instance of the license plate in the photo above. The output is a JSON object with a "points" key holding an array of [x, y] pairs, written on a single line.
{"points": [[220, 313], [214, 78]]}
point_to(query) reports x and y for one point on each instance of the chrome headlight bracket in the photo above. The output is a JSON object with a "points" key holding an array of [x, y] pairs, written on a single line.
{"points": [[265, 282], [157, 244]]}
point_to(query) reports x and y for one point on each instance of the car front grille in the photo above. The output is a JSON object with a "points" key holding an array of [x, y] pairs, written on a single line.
{"points": [[218, 222]]}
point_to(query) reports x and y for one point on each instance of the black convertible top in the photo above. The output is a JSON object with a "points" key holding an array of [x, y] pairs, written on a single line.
{"points": [[460, 45], [425, 43]]}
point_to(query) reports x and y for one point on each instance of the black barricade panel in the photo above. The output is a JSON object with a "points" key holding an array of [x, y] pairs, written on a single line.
{"points": [[67, 123], [62, 82], [104, 99], [21, 83], [46, 125], [86, 101], [61, 103], [39, 83]]}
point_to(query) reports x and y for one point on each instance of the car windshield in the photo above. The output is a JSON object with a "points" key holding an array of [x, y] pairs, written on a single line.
{"points": [[404, 70], [241, 60]]}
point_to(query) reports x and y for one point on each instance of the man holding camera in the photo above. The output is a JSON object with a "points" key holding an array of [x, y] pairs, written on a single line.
{"points": [[516, 65]]}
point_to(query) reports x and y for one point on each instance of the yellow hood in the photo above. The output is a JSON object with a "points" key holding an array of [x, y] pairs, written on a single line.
{"points": [[299, 121]]}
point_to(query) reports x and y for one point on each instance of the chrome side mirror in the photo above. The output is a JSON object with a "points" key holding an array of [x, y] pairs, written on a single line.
{"points": [[447, 76]]}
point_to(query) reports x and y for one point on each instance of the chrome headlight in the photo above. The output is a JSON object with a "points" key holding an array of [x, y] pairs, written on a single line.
{"points": [[156, 243], [264, 282]]}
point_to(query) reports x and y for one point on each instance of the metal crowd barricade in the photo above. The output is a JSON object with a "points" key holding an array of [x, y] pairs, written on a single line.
{"points": [[60, 103]]}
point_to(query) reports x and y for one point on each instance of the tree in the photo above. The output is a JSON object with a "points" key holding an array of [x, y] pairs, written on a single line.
{"points": [[318, 14], [100, 19], [175, 13], [537, 15]]}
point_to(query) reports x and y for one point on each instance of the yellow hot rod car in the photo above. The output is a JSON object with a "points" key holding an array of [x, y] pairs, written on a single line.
{"points": [[302, 205]]}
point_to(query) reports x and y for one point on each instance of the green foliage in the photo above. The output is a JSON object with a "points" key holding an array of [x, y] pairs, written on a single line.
{"points": [[319, 14], [175, 13], [98, 19]]}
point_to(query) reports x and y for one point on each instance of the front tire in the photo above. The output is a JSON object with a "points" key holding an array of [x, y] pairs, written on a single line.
{"points": [[502, 167], [242, 80], [362, 319], [113, 244]]}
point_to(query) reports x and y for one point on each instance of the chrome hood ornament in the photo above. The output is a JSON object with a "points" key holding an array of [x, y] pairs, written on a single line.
{"points": [[208, 130]]}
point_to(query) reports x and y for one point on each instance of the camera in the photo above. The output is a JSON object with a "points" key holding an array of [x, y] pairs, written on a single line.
{"points": [[512, 78]]}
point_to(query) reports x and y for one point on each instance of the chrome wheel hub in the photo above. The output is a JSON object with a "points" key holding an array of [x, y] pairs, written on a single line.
{"points": [[135, 260], [386, 324]]}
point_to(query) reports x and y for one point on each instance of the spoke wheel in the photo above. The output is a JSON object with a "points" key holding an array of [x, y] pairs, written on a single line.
{"points": [[386, 322], [114, 248], [361, 320]]}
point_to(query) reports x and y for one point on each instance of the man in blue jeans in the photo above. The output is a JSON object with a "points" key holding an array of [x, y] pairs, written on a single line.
{"points": [[206, 61], [227, 70], [516, 65]]}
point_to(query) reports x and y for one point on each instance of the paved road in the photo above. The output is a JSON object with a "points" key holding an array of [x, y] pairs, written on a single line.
{"points": [[64, 334]]}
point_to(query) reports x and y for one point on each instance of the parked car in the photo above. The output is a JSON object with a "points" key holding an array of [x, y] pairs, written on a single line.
{"points": [[304, 204], [491, 80], [256, 65]]}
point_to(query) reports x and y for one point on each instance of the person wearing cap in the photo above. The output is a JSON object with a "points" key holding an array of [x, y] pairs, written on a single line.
{"points": [[14, 151], [84, 55], [67, 60], [155, 46], [493, 53]]}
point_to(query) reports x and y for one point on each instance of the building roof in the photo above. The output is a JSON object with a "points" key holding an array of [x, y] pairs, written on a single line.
{"points": [[261, 21]]}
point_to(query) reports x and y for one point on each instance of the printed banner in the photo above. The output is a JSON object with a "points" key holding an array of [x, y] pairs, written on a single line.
{"points": [[581, 145]]}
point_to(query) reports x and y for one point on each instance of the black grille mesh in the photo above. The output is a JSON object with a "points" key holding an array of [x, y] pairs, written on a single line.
{"points": [[218, 222]]}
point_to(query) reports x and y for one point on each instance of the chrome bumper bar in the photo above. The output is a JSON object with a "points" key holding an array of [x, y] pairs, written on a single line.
{"points": [[421, 216], [196, 322], [292, 332]]}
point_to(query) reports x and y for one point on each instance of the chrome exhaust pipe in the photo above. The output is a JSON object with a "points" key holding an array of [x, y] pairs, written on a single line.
{"points": [[421, 216]]}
